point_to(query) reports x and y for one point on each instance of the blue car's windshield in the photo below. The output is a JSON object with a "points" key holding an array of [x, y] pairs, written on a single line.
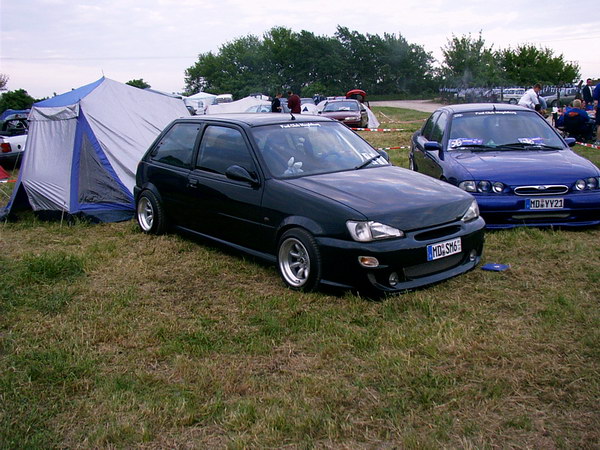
{"points": [[501, 130], [307, 148]]}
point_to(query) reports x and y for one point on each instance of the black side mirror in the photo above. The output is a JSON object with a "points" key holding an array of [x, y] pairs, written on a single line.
{"points": [[384, 154], [238, 173], [434, 146]]}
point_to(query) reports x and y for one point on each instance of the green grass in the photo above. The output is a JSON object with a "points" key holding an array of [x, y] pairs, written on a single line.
{"points": [[111, 338]]}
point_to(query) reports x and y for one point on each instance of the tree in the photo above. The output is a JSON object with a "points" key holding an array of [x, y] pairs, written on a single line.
{"points": [[3, 81], [18, 99], [527, 65], [468, 62], [139, 83]]}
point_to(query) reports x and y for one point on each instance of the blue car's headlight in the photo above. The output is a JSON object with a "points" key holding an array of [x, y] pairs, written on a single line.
{"points": [[590, 183], [482, 186], [369, 231], [469, 186], [472, 213]]}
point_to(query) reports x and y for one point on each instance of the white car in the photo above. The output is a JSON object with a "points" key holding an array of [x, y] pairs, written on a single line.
{"points": [[513, 95], [13, 135]]}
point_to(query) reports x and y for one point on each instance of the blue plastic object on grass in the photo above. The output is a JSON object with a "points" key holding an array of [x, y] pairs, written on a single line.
{"points": [[495, 267]]}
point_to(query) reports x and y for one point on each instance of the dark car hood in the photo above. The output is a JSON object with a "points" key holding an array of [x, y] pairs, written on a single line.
{"points": [[341, 115], [398, 197], [524, 167]]}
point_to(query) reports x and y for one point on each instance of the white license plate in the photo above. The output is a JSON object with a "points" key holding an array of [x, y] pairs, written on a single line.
{"points": [[544, 203], [443, 249]]}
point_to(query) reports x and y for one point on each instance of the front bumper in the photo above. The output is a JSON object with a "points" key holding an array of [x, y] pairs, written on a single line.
{"points": [[580, 209], [402, 260]]}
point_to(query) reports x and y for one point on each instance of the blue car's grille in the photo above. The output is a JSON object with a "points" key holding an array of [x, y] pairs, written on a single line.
{"points": [[542, 190]]}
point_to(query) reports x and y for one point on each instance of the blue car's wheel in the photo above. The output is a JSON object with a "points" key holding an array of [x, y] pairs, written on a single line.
{"points": [[411, 163]]}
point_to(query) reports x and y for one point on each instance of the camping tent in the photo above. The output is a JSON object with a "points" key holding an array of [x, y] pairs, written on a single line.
{"points": [[237, 106], [84, 146], [200, 101]]}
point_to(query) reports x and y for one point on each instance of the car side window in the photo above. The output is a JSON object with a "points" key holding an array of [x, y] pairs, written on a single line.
{"points": [[429, 126], [176, 147], [222, 147], [437, 133]]}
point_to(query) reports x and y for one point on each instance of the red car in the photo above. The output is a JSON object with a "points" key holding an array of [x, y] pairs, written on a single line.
{"points": [[348, 111]]}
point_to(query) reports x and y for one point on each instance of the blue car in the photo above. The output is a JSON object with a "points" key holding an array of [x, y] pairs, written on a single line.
{"points": [[517, 166]]}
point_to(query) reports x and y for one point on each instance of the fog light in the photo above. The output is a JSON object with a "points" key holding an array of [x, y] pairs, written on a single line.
{"points": [[368, 261], [393, 280], [473, 255]]}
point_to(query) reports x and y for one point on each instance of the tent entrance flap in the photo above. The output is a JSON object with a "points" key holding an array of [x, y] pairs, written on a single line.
{"points": [[98, 186]]}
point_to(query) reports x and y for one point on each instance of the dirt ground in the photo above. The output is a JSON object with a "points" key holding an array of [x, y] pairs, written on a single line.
{"points": [[418, 105]]}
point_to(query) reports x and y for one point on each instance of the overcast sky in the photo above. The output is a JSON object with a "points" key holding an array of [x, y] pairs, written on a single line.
{"points": [[52, 46]]}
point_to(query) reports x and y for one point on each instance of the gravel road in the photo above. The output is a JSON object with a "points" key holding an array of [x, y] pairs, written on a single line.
{"points": [[418, 105]]}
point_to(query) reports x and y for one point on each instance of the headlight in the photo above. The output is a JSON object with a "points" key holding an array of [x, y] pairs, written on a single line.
{"points": [[484, 186], [580, 185], [346, 119], [468, 186], [591, 183], [472, 213], [370, 231]]}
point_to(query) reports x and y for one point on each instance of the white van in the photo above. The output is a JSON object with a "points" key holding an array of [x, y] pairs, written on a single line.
{"points": [[513, 95]]}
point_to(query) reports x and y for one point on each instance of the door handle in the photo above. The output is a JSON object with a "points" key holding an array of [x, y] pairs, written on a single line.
{"points": [[192, 183]]}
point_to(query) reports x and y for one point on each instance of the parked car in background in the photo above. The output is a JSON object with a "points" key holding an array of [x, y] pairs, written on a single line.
{"points": [[567, 95], [13, 135], [511, 95], [348, 111], [309, 195], [517, 166]]}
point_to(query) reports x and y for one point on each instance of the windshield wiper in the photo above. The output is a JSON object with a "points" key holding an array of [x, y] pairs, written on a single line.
{"points": [[522, 145], [368, 161], [474, 147]]}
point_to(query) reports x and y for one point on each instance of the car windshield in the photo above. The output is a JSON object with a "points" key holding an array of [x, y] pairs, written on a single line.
{"points": [[299, 149], [341, 106], [502, 130]]}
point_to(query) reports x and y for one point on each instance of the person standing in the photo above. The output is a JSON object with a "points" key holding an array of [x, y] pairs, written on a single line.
{"points": [[293, 103], [588, 93], [531, 97], [276, 103], [596, 98]]}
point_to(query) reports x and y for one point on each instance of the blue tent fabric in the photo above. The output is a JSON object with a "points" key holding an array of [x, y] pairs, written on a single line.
{"points": [[83, 149], [71, 97]]}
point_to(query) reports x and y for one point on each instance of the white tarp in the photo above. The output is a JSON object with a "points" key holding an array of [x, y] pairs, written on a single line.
{"points": [[237, 106], [200, 101]]}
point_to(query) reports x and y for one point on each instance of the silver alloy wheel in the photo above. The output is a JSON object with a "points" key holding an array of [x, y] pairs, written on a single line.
{"points": [[294, 262], [145, 213]]}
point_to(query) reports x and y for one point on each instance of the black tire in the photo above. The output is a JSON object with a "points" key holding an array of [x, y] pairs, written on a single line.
{"points": [[512, 101], [150, 214], [554, 104], [299, 260]]}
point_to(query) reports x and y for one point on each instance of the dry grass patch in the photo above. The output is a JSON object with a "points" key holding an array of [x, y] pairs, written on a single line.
{"points": [[111, 338]]}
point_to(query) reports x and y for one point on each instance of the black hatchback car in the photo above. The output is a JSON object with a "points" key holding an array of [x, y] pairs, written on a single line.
{"points": [[310, 195]]}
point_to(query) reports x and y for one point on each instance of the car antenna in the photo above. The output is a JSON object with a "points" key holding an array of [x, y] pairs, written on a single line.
{"points": [[494, 107], [292, 114]]}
